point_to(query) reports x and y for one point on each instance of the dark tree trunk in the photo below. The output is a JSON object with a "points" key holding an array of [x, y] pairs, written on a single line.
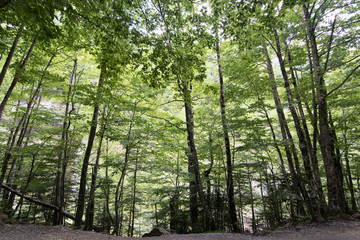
{"points": [[193, 153], [83, 180], [282, 165], [8, 153], [120, 185], [348, 169], [15, 80], [208, 171], [229, 182], [313, 115], [10, 54], [253, 220], [285, 132], [62, 165], [131, 229], [314, 207], [89, 216], [193, 200], [337, 204]]}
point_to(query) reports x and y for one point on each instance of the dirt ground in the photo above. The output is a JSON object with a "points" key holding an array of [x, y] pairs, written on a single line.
{"points": [[339, 230]]}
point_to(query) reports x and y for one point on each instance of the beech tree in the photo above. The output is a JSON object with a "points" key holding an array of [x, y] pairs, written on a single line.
{"points": [[195, 116]]}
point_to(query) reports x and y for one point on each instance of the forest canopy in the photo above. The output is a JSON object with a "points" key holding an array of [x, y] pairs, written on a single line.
{"points": [[120, 116]]}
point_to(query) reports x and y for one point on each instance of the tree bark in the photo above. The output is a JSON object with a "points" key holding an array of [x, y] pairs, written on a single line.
{"points": [[134, 198], [348, 169], [229, 182], [313, 200], [83, 180], [282, 165], [193, 198], [286, 136], [8, 154], [89, 216], [337, 204], [16, 79], [314, 118], [10, 54], [41, 203], [193, 152], [120, 185], [62, 165]]}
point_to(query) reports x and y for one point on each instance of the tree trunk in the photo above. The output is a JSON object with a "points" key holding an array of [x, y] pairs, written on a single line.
{"points": [[193, 200], [83, 180], [253, 220], [337, 204], [282, 165], [229, 182], [11, 54], [15, 80], [8, 153], [286, 135], [313, 200], [208, 171], [134, 197], [120, 185], [314, 117], [193, 153], [62, 165], [348, 169], [89, 216]]}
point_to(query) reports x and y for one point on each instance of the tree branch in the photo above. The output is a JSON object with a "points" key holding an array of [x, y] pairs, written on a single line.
{"points": [[343, 63], [329, 45], [343, 82], [166, 120], [44, 204]]}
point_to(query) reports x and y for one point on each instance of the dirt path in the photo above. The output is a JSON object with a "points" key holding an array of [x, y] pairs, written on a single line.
{"points": [[344, 230]]}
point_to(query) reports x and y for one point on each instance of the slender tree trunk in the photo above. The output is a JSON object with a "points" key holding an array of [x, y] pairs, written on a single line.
{"points": [[313, 115], [313, 200], [253, 220], [286, 135], [89, 216], [348, 169], [120, 185], [193, 200], [241, 213], [106, 189], [83, 180], [194, 157], [19, 148], [16, 79], [282, 165], [208, 171], [337, 204], [134, 197], [8, 153], [230, 184], [61, 168], [11, 54]]}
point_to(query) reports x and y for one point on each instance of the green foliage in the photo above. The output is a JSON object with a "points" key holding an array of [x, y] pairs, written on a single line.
{"points": [[153, 51]]}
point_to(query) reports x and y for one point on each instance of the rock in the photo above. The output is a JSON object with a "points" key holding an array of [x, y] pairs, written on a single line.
{"points": [[157, 232]]}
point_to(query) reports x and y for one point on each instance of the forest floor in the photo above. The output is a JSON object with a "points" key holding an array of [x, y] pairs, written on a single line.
{"points": [[338, 230]]}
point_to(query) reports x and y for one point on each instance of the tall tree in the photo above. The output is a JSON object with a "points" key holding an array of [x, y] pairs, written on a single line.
{"points": [[92, 133]]}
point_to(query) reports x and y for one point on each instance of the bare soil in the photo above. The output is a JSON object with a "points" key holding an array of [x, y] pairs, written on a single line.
{"points": [[338, 230]]}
